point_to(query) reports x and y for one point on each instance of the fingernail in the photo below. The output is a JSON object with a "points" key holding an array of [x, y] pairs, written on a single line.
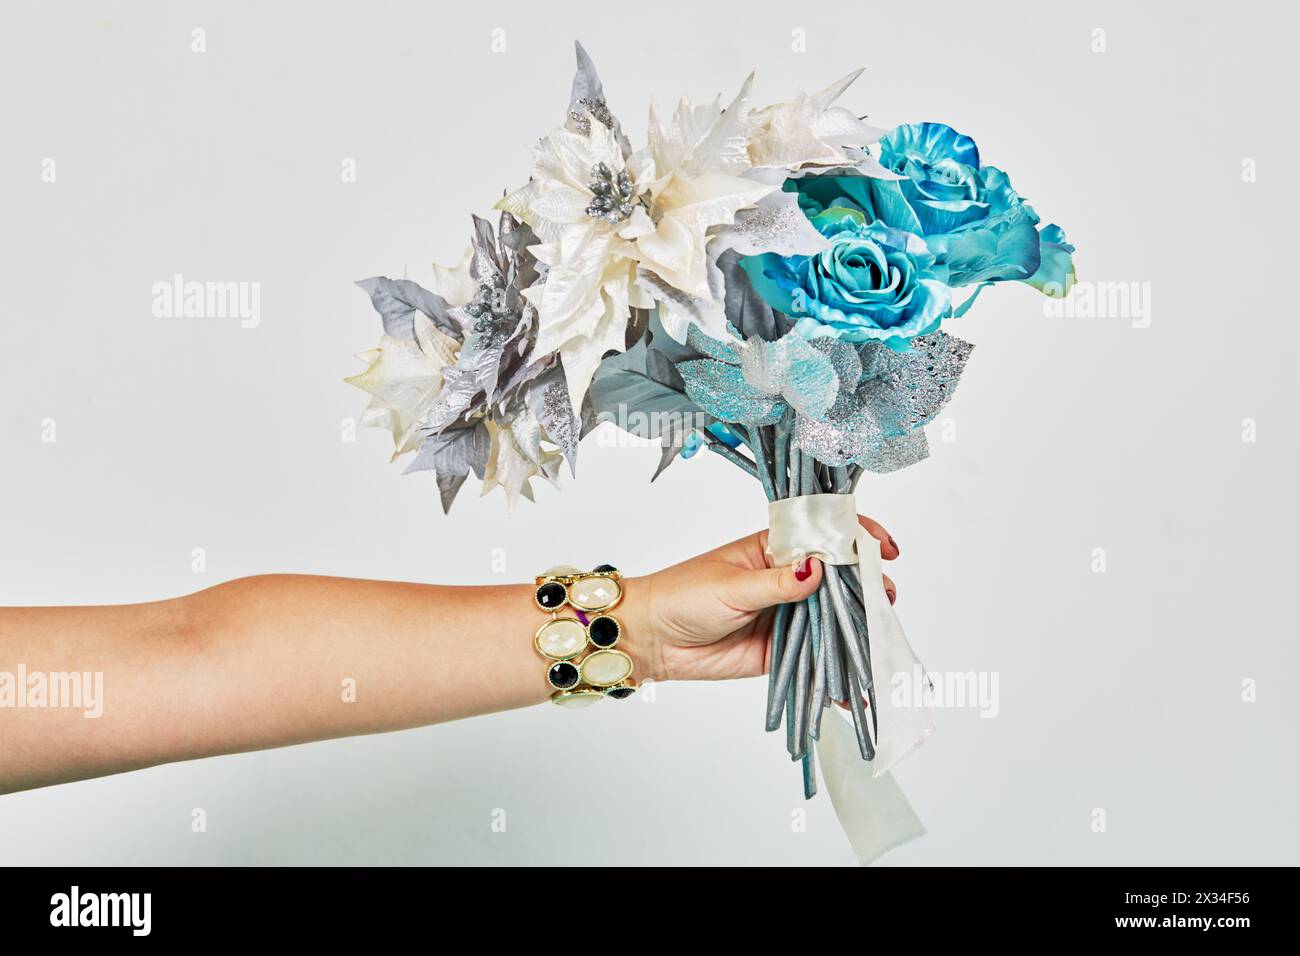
{"points": [[803, 570], [893, 544], [892, 596]]}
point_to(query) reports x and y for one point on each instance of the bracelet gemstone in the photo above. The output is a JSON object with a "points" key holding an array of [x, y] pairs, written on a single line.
{"points": [[582, 664], [551, 596], [595, 593], [563, 675], [603, 631], [561, 639], [605, 668], [578, 697]]}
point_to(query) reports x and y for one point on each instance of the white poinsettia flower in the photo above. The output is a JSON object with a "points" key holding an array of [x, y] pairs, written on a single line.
{"points": [[620, 233], [515, 459], [456, 284], [403, 378], [810, 131], [585, 204], [700, 159]]}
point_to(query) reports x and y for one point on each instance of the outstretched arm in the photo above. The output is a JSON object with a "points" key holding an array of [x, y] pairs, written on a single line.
{"points": [[275, 660]]}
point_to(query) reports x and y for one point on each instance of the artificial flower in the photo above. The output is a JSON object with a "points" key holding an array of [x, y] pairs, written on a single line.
{"points": [[761, 267], [972, 218], [810, 131], [873, 282], [404, 378], [515, 458], [699, 159], [587, 207]]}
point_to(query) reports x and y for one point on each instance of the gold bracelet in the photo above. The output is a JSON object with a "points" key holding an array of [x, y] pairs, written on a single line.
{"points": [[582, 661]]}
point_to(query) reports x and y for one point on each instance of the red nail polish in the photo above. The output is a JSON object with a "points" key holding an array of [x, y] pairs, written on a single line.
{"points": [[803, 571], [892, 596]]}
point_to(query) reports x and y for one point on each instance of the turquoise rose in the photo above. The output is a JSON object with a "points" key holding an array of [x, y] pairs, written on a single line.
{"points": [[974, 222], [873, 282]]}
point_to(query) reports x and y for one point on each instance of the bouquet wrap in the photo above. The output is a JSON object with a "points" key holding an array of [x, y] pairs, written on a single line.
{"points": [[875, 814]]}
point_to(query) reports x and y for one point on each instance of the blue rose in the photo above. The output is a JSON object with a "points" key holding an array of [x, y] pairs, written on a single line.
{"points": [[943, 185], [873, 282], [974, 222]]}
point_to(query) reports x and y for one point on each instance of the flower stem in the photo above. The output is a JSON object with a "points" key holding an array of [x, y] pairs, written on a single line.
{"points": [[831, 637], [781, 452], [729, 453], [754, 438], [784, 670]]}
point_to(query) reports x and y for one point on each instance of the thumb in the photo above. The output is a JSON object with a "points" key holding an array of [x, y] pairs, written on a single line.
{"points": [[756, 590]]}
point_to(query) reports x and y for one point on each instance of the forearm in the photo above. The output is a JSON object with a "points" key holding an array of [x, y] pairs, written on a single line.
{"points": [[265, 662]]}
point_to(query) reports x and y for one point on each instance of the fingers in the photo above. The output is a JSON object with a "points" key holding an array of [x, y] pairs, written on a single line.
{"points": [[747, 552], [749, 590], [888, 547], [891, 589]]}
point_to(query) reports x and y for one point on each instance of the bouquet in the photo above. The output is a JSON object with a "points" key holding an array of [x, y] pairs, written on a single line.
{"points": [[767, 283]]}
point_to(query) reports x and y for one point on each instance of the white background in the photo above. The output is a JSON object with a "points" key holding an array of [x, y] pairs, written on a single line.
{"points": [[1119, 690]]}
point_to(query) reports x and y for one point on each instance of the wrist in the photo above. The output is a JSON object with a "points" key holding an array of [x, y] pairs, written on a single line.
{"points": [[640, 636], [598, 641]]}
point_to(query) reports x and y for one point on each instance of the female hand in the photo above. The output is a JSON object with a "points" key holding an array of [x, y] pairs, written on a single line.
{"points": [[710, 617]]}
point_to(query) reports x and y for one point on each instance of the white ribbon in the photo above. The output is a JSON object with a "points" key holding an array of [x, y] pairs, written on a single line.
{"points": [[871, 807]]}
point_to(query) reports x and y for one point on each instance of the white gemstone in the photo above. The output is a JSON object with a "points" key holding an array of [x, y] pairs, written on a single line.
{"points": [[562, 638], [560, 571], [582, 698], [603, 668], [594, 594]]}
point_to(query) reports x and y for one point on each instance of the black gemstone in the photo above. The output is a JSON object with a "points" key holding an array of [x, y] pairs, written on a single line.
{"points": [[551, 595], [604, 568], [603, 631], [562, 675], [618, 693]]}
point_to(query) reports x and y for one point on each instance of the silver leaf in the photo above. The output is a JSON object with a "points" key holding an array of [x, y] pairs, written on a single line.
{"points": [[548, 399], [843, 436], [455, 451], [485, 262], [906, 390], [397, 301], [473, 374], [896, 452], [587, 98], [448, 486], [844, 359], [775, 224]]}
